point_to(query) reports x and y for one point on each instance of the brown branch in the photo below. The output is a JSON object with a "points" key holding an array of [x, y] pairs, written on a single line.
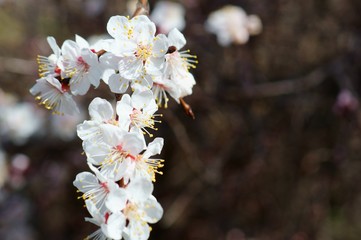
{"points": [[142, 8], [278, 88]]}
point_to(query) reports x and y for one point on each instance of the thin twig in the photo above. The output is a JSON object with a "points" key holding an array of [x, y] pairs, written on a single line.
{"points": [[142, 8], [17, 65], [283, 87], [187, 108]]}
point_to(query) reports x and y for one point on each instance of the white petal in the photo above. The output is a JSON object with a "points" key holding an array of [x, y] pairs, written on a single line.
{"points": [[96, 152], [139, 189], [87, 129], [117, 26], [114, 227], [153, 209], [154, 65], [82, 43], [155, 147], [100, 110], [141, 99], [118, 84], [116, 200], [124, 109], [70, 50], [83, 179], [134, 143], [130, 67], [176, 38], [138, 230], [94, 211], [79, 85], [54, 46]]}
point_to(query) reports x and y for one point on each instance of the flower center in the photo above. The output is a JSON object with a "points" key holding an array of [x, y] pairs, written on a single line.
{"points": [[81, 63], [143, 52]]}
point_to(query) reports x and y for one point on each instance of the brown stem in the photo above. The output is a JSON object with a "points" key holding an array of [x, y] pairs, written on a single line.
{"points": [[187, 108], [100, 52]]}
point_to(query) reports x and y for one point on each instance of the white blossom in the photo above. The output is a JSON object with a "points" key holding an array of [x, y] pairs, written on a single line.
{"points": [[168, 15], [231, 24], [135, 42], [54, 95], [111, 225], [176, 78], [141, 208], [136, 112], [81, 65], [49, 65]]}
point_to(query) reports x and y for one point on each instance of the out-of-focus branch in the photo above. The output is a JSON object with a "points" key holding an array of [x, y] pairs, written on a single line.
{"points": [[17, 65], [142, 8], [282, 87]]}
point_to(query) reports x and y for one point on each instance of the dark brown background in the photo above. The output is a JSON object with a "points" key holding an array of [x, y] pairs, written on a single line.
{"points": [[272, 154]]}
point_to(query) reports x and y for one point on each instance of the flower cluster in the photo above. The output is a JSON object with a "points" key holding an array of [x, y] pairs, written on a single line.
{"points": [[142, 69]]}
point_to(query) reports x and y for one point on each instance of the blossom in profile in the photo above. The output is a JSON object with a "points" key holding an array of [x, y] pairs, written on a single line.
{"points": [[110, 225], [54, 95], [176, 79], [50, 65], [168, 15], [231, 24]]}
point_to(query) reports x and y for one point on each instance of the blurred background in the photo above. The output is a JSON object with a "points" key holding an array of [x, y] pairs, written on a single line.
{"points": [[274, 151]]}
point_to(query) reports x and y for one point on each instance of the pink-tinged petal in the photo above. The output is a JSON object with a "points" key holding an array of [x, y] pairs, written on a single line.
{"points": [[100, 110], [176, 38]]}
